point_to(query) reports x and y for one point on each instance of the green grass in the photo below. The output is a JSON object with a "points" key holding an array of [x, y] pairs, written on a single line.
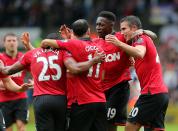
{"points": [[169, 127]]}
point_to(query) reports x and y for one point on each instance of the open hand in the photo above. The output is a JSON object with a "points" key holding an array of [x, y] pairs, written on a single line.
{"points": [[25, 86], [99, 57], [25, 38], [65, 32]]}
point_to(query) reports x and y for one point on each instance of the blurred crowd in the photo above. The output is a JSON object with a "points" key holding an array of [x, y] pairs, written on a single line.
{"points": [[160, 16]]}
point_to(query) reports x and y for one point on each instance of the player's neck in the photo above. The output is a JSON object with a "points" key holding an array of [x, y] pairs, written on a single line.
{"points": [[12, 54], [84, 36]]}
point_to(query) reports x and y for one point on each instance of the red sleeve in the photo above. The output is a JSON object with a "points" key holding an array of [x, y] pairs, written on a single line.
{"points": [[64, 44], [1, 61], [66, 55], [26, 59]]}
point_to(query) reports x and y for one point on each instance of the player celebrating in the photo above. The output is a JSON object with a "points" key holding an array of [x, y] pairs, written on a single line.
{"points": [[12, 86], [15, 108], [87, 96], [117, 72], [49, 84], [151, 106]]}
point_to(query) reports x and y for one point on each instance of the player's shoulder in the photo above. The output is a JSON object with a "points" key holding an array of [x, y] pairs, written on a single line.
{"points": [[120, 36], [20, 54], [72, 40], [97, 39], [145, 38], [32, 51], [118, 33]]}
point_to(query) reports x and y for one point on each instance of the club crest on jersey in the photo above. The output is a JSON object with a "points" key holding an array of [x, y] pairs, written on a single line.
{"points": [[139, 40]]}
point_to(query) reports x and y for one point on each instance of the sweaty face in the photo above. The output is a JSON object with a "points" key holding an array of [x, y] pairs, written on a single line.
{"points": [[11, 43], [126, 30], [103, 27]]}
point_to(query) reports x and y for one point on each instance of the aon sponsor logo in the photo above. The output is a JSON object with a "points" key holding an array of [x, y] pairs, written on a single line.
{"points": [[112, 57]]}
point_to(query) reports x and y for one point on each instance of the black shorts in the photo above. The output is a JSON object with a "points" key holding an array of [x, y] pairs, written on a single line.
{"points": [[150, 110], [88, 117], [15, 110], [117, 99], [2, 122], [50, 112]]}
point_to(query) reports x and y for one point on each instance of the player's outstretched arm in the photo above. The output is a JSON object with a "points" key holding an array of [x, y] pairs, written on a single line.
{"points": [[150, 34], [49, 43], [137, 51], [25, 38], [9, 70], [147, 32], [78, 67], [12, 86]]}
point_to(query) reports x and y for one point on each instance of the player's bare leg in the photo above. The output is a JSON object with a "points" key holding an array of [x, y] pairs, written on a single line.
{"points": [[132, 126], [20, 125]]}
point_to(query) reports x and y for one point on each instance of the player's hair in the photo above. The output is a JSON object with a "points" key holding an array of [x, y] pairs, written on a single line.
{"points": [[80, 27], [55, 36], [108, 15], [9, 34], [132, 20]]}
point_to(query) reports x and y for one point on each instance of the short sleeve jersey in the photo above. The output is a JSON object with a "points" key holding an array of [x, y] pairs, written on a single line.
{"points": [[48, 70], [149, 69], [18, 78], [116, 63], [87, 87]]}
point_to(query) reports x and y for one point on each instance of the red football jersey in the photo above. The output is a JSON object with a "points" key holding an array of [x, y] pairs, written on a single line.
{"points": [[18, 78], [87, 87], [48, 70], [149, 69], [2, 62], [116, 63]]}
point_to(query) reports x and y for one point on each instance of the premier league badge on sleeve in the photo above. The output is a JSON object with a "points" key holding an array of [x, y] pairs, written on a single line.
{"points": [[139, 40]]}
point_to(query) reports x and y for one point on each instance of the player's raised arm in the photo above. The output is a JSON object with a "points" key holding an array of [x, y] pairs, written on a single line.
{"points": [[147, 32], [49, 43], [12, 86], [25, 38], [9, 70], [137, 51], [78, 67], [150, 34]]}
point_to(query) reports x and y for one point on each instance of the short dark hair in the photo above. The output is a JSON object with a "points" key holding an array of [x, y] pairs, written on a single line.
{"points": [[108, 15], [80, 27], [55, 36], [132, 20], [9, 34]]}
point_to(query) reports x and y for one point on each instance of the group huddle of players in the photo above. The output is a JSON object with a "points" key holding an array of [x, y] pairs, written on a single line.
{"points": [[82, 84]]}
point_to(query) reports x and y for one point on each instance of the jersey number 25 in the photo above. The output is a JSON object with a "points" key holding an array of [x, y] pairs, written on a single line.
{"points": [[49, 63]]}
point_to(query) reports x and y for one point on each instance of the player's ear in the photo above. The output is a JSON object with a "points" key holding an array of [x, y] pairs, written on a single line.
{"points": [[88, 31], [134, 27]]}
